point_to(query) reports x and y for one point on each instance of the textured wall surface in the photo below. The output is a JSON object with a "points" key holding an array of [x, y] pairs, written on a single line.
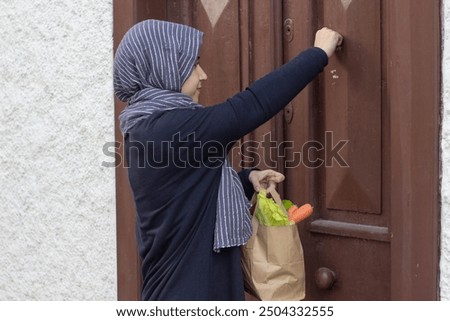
{"points": [[57, 203], [445, 145]]}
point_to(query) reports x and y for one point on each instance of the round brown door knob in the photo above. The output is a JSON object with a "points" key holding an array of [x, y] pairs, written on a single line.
{"points": [[325, 278]]}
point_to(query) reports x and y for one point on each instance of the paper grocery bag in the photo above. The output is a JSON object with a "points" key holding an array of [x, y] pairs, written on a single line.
{"points": [[273, 263]]}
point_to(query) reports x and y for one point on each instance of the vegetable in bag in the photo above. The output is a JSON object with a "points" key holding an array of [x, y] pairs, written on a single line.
{"points": [[269, 213]]}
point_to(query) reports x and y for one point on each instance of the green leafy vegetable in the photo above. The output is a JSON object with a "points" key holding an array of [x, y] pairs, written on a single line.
{"points": [[269, 213], [287, 204]]}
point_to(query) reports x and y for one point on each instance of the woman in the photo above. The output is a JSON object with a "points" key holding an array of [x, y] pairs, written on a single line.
{"points": [[192, 207]]}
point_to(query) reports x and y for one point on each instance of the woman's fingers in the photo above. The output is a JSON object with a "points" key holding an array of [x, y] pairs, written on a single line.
{"points": [[328, 40], [265, 179]]}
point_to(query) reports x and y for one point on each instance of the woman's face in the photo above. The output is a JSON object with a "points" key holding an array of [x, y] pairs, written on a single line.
{"points": [[193, 84]]}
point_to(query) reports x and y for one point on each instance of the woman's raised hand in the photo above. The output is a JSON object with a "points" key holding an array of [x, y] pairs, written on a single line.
{"points": [[328, 40]]}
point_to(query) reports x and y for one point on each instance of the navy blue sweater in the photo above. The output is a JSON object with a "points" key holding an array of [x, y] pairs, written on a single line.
{"points": [[175, 181]]}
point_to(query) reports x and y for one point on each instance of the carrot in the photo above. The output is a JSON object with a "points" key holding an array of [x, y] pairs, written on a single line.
{"points": [[298, 214], [292, 209]]}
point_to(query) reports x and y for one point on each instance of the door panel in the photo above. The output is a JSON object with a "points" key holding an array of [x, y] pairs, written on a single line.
{"points": [[351, 100], [348, 233]]}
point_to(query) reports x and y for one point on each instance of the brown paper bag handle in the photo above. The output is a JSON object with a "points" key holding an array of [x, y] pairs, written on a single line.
{"points": [[276, 197]]}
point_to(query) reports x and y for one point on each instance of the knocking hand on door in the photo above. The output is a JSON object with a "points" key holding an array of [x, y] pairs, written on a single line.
{"points": [[328, 40]]}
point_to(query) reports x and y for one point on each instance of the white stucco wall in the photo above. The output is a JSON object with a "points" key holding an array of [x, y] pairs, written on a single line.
{"points": [[57, 204], [445, 157]]}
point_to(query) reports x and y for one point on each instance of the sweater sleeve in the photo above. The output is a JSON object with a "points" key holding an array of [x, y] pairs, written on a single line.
{"points": [[246, 184], [262, 100]]}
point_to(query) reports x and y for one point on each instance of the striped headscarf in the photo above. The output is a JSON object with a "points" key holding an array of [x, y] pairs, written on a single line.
{"points": [[151, 64]]}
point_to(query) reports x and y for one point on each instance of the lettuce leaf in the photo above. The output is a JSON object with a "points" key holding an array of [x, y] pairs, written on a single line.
{"points": [[269, 213]]}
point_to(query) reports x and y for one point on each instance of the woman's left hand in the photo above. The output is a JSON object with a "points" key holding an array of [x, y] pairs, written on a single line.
{"points": [[265, 179]]}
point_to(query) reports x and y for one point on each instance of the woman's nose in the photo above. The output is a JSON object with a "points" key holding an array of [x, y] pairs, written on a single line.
{"points": [[202, 74]]}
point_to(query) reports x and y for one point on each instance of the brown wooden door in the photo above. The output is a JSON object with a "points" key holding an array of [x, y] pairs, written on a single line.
{"points": [[348, 237], [374, 233], [360, 143]]}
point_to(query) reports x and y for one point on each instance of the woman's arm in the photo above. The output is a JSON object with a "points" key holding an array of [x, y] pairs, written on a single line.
{"points": [[262, 100], [244, 112], [246, 183]]}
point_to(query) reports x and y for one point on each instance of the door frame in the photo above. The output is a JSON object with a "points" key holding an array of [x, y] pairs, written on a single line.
{"points": [[413, 96], [412, 91]]}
